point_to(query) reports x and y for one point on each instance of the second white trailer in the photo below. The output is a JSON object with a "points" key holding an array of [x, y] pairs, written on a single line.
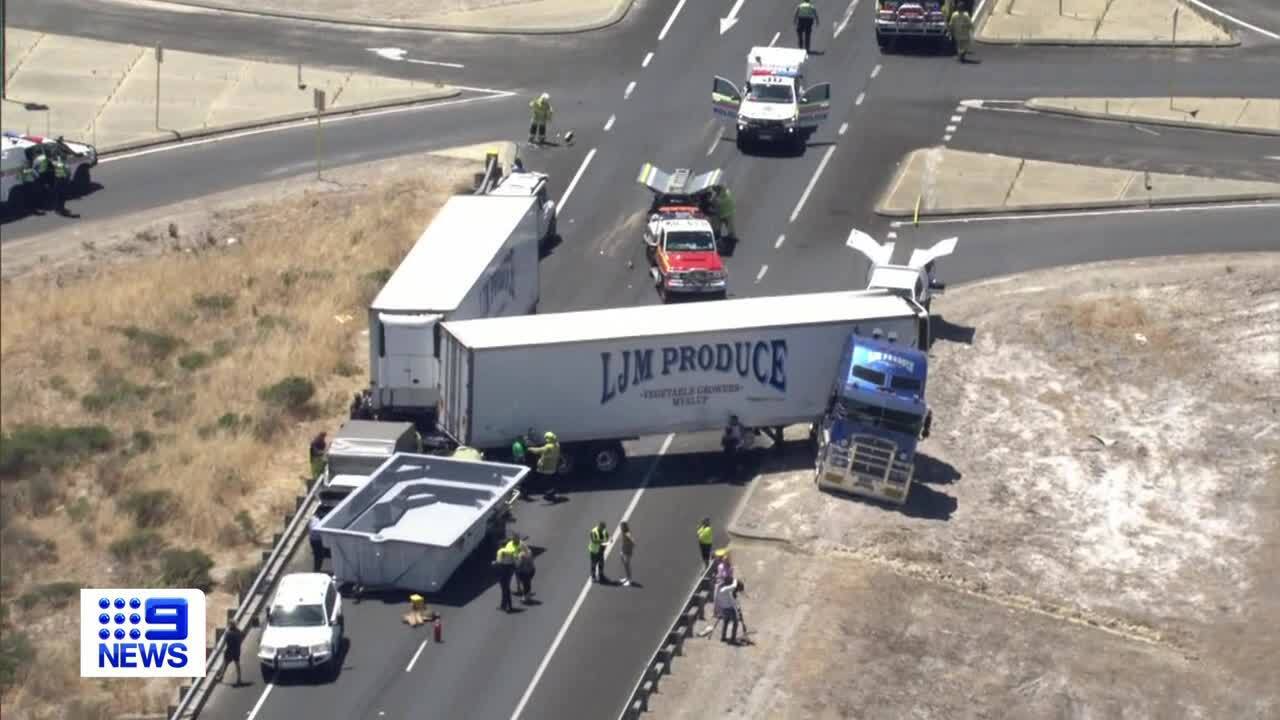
{"points": [[596, 378]]}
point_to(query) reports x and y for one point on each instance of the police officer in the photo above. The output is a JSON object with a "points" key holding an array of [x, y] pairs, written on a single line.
{"points": [[706, 537], [548, 461], [805, 18], [596, 540], [961, 27], [505, 562], [540, 111]]}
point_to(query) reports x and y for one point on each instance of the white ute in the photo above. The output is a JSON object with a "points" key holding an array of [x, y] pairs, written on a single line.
{"points": [[772, 105], [304, 626]]}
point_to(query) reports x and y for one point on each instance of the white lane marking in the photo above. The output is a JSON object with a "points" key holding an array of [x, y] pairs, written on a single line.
{"points": [[586, 587], [1094, 213], [727, 22], [875, 71], [962, 109], [716, 142], [946, 138], [956, 118], [1148, 131], [647, 59], [258, 705], [609, 124], [1271, 157], [781, 239], [574, 182], [427, 105], [1235, 20], [760, 275], [812, 181], [1013, 106], [861, 96], [775, 38], [981, 5], [892, 235], [848, 15], [950, 128], [414, 660], [666, 28], [844, 127], [631, 87]]}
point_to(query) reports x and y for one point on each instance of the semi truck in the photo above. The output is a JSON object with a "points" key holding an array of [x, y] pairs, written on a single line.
{"points": [[866, 443], [477, 259], [600, 377]]}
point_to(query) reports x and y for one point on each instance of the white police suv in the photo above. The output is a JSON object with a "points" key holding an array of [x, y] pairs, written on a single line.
{"points": [[304, 626]]}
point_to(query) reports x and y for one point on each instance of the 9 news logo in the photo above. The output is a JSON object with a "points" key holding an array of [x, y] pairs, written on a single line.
{"points": [[142, 633]]}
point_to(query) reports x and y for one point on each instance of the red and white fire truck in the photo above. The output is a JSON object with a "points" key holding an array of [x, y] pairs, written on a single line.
{"points": [[681, 239]]}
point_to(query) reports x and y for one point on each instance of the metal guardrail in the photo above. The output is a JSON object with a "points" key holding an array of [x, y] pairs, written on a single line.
{"points": [[193, 698], [670, 645]]}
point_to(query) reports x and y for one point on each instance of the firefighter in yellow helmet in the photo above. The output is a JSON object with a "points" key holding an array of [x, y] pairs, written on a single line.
{"points": [[960, 25], [540, 111]]}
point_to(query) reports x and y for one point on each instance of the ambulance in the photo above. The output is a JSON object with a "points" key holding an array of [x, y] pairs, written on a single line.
{"points": [[773, 106]]}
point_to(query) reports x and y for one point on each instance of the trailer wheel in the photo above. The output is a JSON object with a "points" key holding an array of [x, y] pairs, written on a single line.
{"points": [[567, 464], [606, 459]]}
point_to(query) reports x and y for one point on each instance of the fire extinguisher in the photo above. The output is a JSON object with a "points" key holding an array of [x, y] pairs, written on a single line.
{"points": [[437, 629]]}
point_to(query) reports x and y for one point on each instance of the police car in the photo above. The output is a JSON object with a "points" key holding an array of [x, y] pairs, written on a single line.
{"points": [[772, 106], [304, 626], [19, 188]]}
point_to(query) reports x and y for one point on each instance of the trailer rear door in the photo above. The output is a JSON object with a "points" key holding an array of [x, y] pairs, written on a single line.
{"points": [[455, 389]]}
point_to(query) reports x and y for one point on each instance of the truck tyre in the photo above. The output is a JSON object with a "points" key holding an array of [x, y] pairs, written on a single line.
{"points": [[552, 230], [568, 463], [882, 41], [607, 458], [81, 181], [267, 672]]}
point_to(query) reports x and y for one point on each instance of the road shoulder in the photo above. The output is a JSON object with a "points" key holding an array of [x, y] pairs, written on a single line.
{"points": [[1101, 22], [1259, 116]]}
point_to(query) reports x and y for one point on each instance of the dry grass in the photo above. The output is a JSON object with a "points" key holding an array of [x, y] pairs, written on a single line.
{"points": [[169, 352]]}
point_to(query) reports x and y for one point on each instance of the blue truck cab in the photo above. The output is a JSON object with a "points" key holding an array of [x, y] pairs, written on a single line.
{"points": [[877, 414]]}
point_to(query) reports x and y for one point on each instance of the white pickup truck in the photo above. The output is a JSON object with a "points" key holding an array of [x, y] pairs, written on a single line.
{"points": [[19, 187], [772, 105]]}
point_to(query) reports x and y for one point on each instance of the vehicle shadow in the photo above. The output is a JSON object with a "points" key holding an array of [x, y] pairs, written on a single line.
{"points": [[922, 47], [548, 246], [14, 214], [933, 471], [942, 329]]}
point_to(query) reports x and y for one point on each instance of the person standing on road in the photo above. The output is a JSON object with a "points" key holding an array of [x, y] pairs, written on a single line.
{"points": [[961, 27], [805, 18], [706, 537], [598, 538], [524, 572], [628, 547], [727, 610], [317, 547], [548, 462], [231, 655], [506, 565], [318, 447], [540, 111]]}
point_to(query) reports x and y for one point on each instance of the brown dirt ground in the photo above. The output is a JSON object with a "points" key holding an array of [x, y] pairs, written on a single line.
{"points": [[300, 253], [1038, 571]]}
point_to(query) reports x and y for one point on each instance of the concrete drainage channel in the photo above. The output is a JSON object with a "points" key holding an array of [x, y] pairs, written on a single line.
{"points": [[191, 698], [671, 645]]}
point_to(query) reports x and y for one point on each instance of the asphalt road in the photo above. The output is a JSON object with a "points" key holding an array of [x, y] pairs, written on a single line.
{"points": [[794, 213]]}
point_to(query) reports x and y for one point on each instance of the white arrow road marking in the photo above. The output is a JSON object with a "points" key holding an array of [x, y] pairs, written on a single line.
{"points": [[398, 54], [732, 18], [848, 15]]}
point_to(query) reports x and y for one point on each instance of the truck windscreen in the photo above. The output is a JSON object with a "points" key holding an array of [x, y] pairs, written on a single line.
{"points": [[893, 420], [690, 241], [770, 93]]}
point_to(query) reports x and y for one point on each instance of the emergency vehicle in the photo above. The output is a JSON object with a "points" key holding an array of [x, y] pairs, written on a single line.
{"points": [[681, 242], [772, 105], [19, 187], [916, 19]]}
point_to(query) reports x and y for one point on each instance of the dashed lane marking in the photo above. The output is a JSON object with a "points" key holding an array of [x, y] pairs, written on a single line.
{"points": [[956, 118], [609, 124], [775, 38], [631, 87], [647, 59], [951, 128], [760, 275], [844, 127], [861, 96], [875, 71], [781, 239]]}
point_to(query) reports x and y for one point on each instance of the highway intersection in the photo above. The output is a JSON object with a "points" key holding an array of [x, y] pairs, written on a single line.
{"points": [[640, 92]]}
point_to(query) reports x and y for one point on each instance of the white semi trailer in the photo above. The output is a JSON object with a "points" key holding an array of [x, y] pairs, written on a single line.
{"points": [[599, 377], [477, 259]]}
